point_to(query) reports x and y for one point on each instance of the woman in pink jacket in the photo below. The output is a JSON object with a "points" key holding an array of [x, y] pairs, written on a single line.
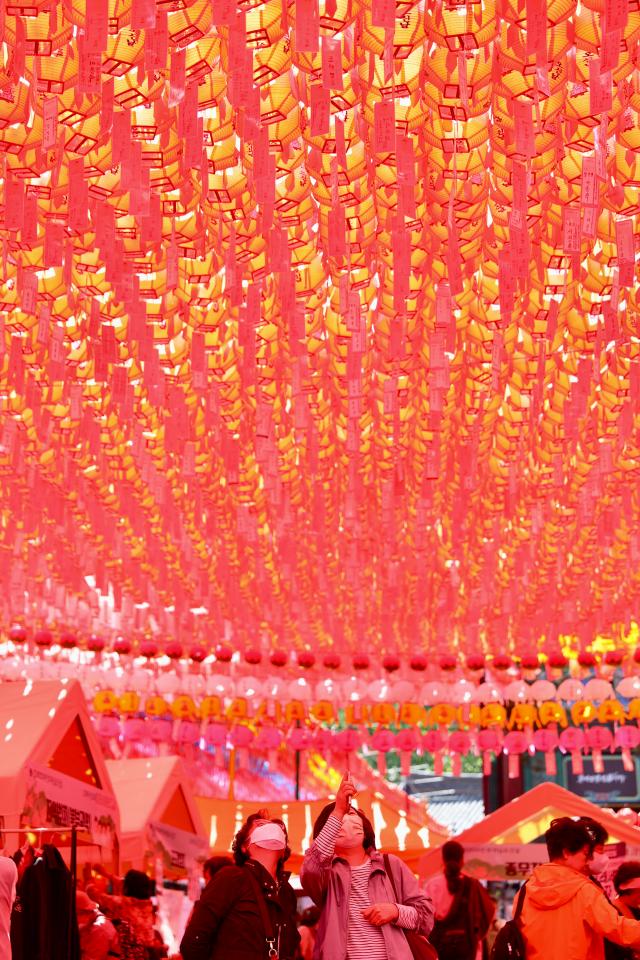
{"points": [[366, 908]]}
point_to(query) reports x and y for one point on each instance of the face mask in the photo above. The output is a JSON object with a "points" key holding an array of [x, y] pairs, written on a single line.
{"points": [[598, 863], [351, 833], [268, 836]]}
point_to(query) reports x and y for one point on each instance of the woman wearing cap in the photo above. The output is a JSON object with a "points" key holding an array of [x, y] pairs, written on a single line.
{"points": [[627, 885], [98, 937], [367, 901], [249, 909]]}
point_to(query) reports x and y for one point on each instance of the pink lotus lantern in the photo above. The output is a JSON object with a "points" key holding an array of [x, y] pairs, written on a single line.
{"points": [[407, 740], [459, 744], [383, 740], [515, 744], [598, 739], [572, 740], [490, 744], [433, 741], [547, 741], [627, 738]]}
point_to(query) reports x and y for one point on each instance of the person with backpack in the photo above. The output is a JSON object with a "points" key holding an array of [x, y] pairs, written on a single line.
{"points": [[371, 905], [247, 911], [464, 910], [561, 913]]}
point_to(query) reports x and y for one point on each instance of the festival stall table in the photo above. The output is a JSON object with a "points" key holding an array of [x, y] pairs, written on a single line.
{"points": [[396, 831], [506, 845], [52, 772]]}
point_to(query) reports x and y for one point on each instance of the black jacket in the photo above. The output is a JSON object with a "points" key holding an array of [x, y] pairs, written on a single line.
{"points": [[43, 920], [226, 921]]}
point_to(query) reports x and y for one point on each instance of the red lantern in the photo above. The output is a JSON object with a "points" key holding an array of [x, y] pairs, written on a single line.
{"points": [[475, 662], [501, 662], [558, 661], [448, 663], [279, 658], [43, 638], [587, 659], [361, 661], [224, 654], [530, 661], [613, 658], [68, 641], [331, 661], [391, 663], [418, 662], [253, 656], [18, 633], [148, 649], [95, 644], [173, 650], [197, 653], [306, 659], [122, 646]]}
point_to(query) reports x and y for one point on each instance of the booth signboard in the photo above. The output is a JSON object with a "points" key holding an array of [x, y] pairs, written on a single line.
{"points": [[503, 861], [178, 848], [613, 784], [55, 799], [514, 862]]}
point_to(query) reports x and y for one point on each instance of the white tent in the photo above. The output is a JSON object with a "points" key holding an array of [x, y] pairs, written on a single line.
{"points": [[159, 816], [52, 772]]}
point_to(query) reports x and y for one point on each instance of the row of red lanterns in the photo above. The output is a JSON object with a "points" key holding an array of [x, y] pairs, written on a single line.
{"points": [[305, 659]]}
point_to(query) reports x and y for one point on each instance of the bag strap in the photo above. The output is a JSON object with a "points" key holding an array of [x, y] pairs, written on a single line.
{"points": [[519, 905], [264, 915], [389, 873]]}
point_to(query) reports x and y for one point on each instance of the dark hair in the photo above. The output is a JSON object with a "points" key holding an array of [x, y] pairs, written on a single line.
{"points": [[213, 864], [567, 835], [598, 833], [138, 885], [625, 872], [369, 838], [452, 857], [240, 855]]}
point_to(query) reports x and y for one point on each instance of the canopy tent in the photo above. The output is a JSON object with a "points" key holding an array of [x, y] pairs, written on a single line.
{"points": [[522, 821], [159, 815], [52, 772], [396, 831]]}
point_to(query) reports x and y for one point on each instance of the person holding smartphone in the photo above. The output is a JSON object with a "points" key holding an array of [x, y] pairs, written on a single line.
{"points": [[366, 904]]}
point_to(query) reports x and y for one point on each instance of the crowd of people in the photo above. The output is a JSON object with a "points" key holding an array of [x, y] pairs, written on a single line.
{"points": [[367, 905]]}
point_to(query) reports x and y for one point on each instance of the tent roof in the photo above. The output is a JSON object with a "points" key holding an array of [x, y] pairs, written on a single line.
{"points": [[157, 790], [526, 818], [41, 722]]}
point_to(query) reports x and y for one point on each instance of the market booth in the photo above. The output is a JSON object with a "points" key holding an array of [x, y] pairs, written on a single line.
{"points": [[507, 843], [158, 814], [396, 830], [52, 772]]}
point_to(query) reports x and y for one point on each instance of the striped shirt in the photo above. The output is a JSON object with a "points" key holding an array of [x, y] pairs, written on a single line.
{"points": [[364, 940]]}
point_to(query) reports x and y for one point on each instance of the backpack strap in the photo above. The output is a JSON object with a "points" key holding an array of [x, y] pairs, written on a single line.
{"points": [[272, 952], [519, 905]]}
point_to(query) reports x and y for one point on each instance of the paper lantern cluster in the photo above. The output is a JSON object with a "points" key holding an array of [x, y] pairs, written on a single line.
{"points": [[319, 323]]}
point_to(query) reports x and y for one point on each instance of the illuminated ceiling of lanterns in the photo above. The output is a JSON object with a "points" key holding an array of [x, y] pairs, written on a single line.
{"points": [[319, 322]]}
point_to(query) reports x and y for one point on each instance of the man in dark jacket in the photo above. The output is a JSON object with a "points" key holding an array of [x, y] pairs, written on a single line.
{"points": [[227, 922]]}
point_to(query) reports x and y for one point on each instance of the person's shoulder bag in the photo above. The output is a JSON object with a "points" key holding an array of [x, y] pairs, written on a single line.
{"points": [[418, 943], [270, 937]]}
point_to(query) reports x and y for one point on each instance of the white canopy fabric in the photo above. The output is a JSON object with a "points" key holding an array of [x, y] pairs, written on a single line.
{"points": [[158, 813], [52, 771]]}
